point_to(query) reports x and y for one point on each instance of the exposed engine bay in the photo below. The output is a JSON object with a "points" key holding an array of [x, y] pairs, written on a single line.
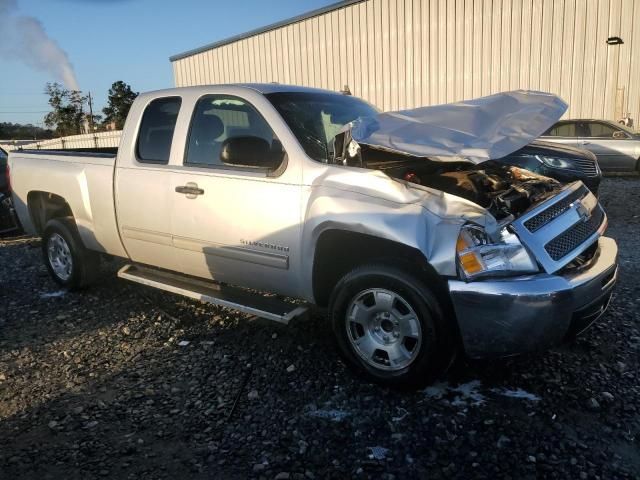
{"points": [[502, 189]]}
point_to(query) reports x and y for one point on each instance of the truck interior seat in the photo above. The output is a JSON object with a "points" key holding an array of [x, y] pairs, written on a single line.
{"points": [[204, 146]]}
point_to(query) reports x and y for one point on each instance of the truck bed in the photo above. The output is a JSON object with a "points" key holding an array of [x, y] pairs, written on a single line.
{"points": [[106, 152], [82, 179]]}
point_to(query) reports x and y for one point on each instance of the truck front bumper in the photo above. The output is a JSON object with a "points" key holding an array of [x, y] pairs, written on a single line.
{"points": [[502, 317]]}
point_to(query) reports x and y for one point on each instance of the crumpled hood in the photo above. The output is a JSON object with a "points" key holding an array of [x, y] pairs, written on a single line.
{"points": [[476, 130]]}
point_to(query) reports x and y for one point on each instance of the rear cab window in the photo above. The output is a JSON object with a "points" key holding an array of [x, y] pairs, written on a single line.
{"points": [[156, 130]]}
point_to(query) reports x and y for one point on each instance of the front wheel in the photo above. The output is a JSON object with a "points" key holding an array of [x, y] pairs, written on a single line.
{"points": [[390, 327], [69, 263]]}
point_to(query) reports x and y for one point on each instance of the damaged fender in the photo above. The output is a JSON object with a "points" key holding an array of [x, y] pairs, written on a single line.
{"points": [[371, 203]]}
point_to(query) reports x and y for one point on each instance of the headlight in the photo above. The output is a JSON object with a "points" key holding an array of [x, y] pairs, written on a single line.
{"points": [[479, 255], [555, 162]]}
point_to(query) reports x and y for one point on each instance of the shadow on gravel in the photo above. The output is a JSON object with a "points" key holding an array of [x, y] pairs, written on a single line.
{"points": [[168, 400], [248, 397], [37, 312]]}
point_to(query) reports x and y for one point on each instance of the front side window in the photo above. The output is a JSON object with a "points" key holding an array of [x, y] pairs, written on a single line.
{"points": [[567, 129], [156, 130], [315, 118], [227, 131], [601, 130]]}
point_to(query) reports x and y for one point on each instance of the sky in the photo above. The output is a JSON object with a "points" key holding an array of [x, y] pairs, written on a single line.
{"points": [[110, 40]]}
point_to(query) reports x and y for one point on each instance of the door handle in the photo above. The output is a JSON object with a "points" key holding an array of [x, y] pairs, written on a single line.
{"points": [[584, 142], [190, 189]]}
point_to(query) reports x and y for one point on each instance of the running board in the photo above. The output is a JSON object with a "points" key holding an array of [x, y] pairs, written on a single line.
{"points": [[238, 299]]}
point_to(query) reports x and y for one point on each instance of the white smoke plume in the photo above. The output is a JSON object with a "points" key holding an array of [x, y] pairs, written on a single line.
{"points": [[24, 38]]}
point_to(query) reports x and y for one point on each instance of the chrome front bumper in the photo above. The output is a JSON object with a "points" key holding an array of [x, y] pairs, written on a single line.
{"points": [[508, 316]]}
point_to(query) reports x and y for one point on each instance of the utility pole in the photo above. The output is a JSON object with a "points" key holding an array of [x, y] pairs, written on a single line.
{"points": [[90, 111]]}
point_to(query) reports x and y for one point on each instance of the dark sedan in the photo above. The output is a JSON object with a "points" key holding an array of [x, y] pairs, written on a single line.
{"points": [[561, 162], [8, 220], [3, 170]]}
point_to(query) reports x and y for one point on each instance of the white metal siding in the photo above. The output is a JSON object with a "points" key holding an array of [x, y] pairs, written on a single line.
{"points": [[407, 53]]}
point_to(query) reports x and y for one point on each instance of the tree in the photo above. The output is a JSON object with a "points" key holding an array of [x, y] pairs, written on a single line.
{"points": [[67, 116], [118, 103], [16, 131]]}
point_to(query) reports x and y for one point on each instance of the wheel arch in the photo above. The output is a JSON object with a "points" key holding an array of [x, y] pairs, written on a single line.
{"points": [[45, 206], [338, 251]]}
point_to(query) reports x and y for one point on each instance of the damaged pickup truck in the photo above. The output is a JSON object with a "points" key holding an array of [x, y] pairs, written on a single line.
{"points": [[406, 226]]}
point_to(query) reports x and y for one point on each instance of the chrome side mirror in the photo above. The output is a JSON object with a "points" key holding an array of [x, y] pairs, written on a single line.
{"points": [[619, 135]]}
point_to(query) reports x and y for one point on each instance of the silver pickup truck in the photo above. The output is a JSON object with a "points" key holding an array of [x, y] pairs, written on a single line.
{"points": [[402, 225]]}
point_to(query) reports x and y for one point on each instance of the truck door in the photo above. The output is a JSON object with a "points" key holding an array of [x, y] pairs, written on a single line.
{"points": [[235, 203], [143, 184]]}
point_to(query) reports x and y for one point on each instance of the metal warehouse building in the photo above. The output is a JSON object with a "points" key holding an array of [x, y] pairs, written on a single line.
{"points": [[406, 53]]}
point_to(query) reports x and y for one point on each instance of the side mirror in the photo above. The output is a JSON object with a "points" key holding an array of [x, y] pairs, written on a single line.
{"points": [[250, 151], [619, 135]]}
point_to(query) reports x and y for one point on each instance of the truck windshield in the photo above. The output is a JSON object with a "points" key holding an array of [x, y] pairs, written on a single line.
{"points": [[315, 118]]}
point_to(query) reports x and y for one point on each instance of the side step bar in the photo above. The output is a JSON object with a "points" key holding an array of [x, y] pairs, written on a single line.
{"points": [[238, 299]]}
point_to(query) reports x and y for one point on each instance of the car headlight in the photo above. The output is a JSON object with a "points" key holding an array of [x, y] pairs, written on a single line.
{"points": [[555, 162], [479, 255]]}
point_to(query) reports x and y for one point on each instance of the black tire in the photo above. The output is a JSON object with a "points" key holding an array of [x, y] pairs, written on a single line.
{"points": [[84, 265], [435, 351]]}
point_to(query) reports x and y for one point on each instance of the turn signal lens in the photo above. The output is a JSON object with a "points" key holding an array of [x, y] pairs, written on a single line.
{"points": [[470, 263]]}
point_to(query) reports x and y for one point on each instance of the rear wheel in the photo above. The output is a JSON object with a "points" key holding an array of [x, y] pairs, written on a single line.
{"points": [[390, 327], [69, 263]]}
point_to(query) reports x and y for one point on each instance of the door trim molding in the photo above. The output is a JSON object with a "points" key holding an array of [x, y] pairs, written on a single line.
{"points": [[150, 236], [243, 254]]}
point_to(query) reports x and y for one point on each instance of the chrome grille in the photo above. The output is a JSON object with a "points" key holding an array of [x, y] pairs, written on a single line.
{"points": [[568, 241], [561, 228], [588, 167], [555, 210]]}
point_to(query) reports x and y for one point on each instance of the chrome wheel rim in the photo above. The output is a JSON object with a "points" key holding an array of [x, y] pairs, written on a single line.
{"points": [[60, 257], [383, 329]]}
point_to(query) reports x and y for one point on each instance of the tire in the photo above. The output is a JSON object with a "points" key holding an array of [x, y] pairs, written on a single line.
{"points": [[406, 346], [69, 263]]}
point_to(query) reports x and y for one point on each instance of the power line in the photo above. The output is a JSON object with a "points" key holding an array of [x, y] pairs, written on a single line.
{"points": [[16, 112]]}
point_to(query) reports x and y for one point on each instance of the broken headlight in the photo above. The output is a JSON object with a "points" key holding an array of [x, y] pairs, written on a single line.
{"points": [[479, 255]]}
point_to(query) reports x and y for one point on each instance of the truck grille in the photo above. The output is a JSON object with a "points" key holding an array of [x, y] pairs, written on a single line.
{"points": [[555, 210], [568, 241], [560, 229]]}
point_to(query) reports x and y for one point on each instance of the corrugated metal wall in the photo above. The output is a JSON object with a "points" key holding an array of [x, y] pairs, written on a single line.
{"points": [[407, 53]]}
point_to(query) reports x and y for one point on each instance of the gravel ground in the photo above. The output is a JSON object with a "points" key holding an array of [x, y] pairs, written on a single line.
{"points": [[123, 381]]}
